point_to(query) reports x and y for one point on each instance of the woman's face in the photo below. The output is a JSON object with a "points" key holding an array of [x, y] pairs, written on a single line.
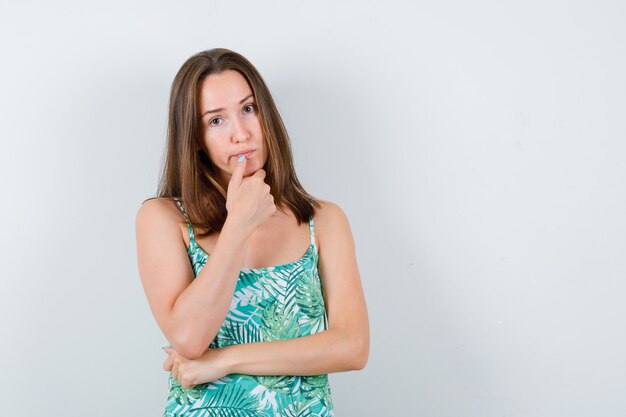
{"points": [[231, 124]]}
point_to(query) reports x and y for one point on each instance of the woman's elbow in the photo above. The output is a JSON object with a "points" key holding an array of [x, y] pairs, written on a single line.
{"points": [[187, 350], [360, 353], [188, 347]]}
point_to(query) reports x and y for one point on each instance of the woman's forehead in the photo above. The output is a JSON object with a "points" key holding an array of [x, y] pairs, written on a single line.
{"points": [[226, 89]]}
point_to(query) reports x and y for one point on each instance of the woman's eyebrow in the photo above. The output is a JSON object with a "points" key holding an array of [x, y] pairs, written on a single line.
{"points": [[220, 109]]}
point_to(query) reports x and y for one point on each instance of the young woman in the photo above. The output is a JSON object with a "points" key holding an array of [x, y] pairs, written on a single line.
{"points": [[253, 281]]}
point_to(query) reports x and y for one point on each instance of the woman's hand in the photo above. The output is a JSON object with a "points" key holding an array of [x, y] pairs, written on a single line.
{"points": [[191, 372], [248, 200]]}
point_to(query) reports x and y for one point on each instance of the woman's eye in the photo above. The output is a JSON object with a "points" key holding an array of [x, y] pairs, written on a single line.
{"points": [[214, 120], [251, 107]]}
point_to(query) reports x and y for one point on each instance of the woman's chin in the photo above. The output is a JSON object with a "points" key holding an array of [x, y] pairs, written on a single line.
{"points": [[250, 170]]}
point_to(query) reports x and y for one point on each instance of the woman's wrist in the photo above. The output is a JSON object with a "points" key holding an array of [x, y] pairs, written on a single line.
{"points": [[228, 359], [234, 227]]}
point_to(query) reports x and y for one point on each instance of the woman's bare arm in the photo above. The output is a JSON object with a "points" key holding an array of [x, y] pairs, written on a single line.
{"points": [[189, 311], [343, 347]]}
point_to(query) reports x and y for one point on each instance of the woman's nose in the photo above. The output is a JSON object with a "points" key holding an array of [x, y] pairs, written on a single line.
{"points": [[239, 133]]}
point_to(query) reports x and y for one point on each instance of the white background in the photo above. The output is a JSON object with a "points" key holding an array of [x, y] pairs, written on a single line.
{"points": [[477, 148]]}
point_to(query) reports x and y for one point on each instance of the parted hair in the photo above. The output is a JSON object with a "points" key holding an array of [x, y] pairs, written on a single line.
{"points": [[188, 173]]}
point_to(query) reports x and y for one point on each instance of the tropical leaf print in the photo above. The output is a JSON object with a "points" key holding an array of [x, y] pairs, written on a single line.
{"points": [[310, 302], [293, 280], [183, 396], [230, 401], [234, 333], [268, 387], [316, 387], [244, 296], [274, 303], [296, 407], [273, 284], [276, 325]]}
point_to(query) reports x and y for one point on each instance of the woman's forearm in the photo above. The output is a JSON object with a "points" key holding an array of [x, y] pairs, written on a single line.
{"points": [[201, 308], [334, 350]]}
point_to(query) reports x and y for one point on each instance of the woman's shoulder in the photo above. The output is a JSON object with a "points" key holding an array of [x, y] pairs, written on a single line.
{"points": [[327, 208], [159, 209], [333, 231], [329, 216]]}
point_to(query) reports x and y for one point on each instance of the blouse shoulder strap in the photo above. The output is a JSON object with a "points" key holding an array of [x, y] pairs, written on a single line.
{"points": [[312, 230], [182, 208]]}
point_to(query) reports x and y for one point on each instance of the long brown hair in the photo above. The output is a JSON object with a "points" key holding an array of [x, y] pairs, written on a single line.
{"points": [[188, 173]]}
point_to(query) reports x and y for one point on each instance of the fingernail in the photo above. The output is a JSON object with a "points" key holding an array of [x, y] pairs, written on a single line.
{"points": [[242, 157]]}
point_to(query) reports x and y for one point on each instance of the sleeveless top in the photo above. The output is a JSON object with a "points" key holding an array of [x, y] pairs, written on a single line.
{"points": [[272, 303]]}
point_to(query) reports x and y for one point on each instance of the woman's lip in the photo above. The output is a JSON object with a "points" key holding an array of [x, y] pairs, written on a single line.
{"points": [[244, 153]]}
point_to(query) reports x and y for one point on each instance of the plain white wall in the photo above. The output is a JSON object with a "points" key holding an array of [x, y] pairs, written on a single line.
{"points": [[477, 148]]}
